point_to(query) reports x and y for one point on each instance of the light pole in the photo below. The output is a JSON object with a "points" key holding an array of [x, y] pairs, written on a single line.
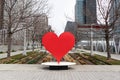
{"points": [[24, 52], [91, 39]]}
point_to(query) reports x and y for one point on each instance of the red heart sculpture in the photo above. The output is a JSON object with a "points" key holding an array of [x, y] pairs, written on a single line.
{"points": [[58, 46]]}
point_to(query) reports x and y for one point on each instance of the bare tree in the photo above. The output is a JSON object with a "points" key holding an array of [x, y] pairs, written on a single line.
{"points": [[19, 13], [40, 28], [108, 19], [109, 12]]}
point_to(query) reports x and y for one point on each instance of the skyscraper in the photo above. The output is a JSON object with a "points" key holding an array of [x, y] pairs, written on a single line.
{"points": [[85, 11], [79, 11], [115, 10]]}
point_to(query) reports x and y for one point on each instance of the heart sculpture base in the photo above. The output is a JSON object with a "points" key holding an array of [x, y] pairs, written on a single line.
{"points": [[60, 66]]}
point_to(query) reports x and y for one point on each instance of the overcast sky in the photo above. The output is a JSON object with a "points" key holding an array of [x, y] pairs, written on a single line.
{"points": [[60, 13]]}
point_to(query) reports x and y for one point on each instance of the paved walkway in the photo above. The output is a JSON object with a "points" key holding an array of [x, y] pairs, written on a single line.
{"points": [[78, 72], [4, 55], [114, 56]]}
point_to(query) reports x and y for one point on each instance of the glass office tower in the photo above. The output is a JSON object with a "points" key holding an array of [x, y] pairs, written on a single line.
{"points": [[79, 11], [115, 7], [85, 11]]}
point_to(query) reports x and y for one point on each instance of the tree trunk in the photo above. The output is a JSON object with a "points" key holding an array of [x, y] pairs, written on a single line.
{"points": [[9, 44], [41, 44], [107, 44], [33, 45]]}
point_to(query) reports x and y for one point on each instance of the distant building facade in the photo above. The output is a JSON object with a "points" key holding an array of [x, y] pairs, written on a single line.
{"points": [[41, 23], [114, 9], [71, 27], [1, 13], [38, 29], [85, 11]]}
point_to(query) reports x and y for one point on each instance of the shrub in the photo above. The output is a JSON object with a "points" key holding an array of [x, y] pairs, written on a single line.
{"points": [[1, 52], [13, 51]]}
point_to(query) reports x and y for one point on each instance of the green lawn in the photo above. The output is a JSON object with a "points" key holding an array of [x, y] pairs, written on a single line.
{"points": [[31, 58], [98, 59], [36, 56]]}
